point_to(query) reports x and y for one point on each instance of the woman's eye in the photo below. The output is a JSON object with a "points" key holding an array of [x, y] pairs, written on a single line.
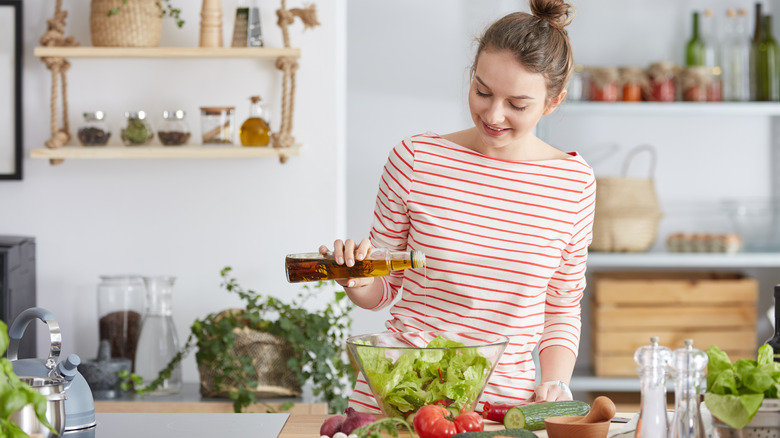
{"points": [[481, 94], [518, 108]]}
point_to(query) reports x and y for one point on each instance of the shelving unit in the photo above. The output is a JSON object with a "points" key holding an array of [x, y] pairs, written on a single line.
{"points": [[670, 108], [192, 150]]}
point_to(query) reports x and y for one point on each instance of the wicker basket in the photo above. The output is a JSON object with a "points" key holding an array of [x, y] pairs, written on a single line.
{"points": [[137, 24], [627, 211], [269, 355]]}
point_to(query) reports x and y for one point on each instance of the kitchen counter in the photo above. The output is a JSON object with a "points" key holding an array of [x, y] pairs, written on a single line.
{"points": [[308, 426]]}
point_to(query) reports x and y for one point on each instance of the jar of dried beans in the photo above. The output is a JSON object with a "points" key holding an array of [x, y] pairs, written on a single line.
{"points": [[174, 129], [94, 130]]}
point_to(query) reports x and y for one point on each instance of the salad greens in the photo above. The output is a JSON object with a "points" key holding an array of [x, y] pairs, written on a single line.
{"points": [[735, 392], [441, 373]]}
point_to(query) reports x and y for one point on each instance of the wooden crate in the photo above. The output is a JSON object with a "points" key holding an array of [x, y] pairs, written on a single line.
{"points": [[630, 307]]}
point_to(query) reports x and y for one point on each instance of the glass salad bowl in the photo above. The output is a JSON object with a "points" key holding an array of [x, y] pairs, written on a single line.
{"points": [[408, 370]]}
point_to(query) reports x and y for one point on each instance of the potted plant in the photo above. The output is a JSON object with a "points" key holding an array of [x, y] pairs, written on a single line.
{"points": [[743, 395], [15, 394], [130, 23], [312, 344]]}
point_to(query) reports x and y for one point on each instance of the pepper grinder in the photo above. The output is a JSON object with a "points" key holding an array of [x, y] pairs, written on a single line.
{"points": [[689, 370], [653, 361], [211, 23]]}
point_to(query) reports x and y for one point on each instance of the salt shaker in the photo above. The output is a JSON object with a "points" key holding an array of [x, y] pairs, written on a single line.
{"points": [[689, 370], [653, 360]]}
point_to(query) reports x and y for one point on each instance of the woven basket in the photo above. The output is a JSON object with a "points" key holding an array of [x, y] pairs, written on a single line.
{"points": [[627, 211], [269, 355], [137, 24]]}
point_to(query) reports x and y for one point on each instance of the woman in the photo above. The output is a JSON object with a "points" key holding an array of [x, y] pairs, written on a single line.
{"points": [[503, 218]]}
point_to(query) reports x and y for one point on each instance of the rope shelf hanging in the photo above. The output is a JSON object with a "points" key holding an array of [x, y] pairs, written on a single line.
{"points": [[55, 37], [289, 65]]}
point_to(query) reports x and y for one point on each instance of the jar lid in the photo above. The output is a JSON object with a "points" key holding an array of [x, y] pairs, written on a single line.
{"points": [[255, 99], [216, 109], [94, 115], [175, 114], [135, 114]]}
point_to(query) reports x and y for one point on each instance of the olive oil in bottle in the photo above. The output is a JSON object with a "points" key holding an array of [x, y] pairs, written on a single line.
{"points": [[255, 130], [380, 262]]}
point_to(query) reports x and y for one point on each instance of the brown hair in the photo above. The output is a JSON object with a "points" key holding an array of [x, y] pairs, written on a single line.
{"points": [[538, 40]]}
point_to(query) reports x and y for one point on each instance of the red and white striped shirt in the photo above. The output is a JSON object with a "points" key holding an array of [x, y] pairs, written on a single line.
{"points": [[505, 243]]}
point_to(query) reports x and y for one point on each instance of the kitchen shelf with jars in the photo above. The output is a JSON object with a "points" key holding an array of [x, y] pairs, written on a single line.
{"points": [[218, 125]]}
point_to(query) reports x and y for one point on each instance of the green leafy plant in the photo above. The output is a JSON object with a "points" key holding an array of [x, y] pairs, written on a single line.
{"points": [[736, 391], [15, 394], [316, 337], [166, 8]]}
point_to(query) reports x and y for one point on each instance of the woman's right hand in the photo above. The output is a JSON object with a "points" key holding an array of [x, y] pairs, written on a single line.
{"points": [[346, 252]]}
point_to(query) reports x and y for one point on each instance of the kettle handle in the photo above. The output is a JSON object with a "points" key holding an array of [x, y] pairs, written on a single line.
{"points": [[20, 324]]}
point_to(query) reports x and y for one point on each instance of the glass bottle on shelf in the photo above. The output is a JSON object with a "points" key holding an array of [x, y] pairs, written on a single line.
{"points": [[174, 129], [653, 361], [255, 131], [695, 48], [774, 341], [94, 131], [758, 33], [688, 367], [120, 309], [137, 131], [158, 342], [766, 59], [380, 262], [736, 57], [712, 56]]}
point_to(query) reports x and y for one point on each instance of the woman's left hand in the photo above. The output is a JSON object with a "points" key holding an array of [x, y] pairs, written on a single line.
{"points": [[552, 391]]}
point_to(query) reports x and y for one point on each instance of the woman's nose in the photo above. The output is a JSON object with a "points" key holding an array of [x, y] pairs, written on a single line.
{"points": [[494, 114]]}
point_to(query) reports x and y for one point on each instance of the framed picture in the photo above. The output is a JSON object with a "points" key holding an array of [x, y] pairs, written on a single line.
{"points": [[10, 89]]}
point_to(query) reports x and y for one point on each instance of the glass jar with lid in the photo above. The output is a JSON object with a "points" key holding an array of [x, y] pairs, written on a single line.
{"points": [[174, 130], [137, 130], [218, 124], [94, 130]]}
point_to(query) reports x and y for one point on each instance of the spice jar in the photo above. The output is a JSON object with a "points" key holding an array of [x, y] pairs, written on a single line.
{"points": [[695, 82], [577, 89], [632, 81], [603, 84], [174, 130], [663, 86], [218, 124], [94, 131], [137, 131]]}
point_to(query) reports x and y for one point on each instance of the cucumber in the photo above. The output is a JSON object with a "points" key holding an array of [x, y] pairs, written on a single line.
{"points": [[514, 433], [531, 417]]}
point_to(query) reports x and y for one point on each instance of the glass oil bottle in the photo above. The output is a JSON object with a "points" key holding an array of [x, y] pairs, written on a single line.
{"points": [[689, 370], [380, 262], [256, 129], [653, 361]]}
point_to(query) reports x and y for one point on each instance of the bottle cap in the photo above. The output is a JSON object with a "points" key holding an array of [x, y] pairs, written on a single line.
{"points": [[688, 360], [175, 114], [94, 115], [653, 355]]}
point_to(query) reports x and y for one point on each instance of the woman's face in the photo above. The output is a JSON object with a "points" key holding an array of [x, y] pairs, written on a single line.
{"points": [[506, 101]]}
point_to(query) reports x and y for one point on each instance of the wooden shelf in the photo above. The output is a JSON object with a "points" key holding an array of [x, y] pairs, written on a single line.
{"points": [[157, 151], [670, 108], [167, 52]]}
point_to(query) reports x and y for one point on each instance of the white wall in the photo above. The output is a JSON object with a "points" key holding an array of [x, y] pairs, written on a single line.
{"points": [[188, 217]]}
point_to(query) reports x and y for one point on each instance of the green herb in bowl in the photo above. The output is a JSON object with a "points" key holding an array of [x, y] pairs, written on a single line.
{"points": [[736, 391]]}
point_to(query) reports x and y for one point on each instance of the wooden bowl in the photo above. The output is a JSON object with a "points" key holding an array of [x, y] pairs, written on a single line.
{"points": [[568, 427]]}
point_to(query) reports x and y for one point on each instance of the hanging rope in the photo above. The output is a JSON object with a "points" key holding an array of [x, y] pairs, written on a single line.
{"points": [[55, 37], [289, 65]]}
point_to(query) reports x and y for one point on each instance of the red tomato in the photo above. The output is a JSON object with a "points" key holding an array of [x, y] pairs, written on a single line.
{"points": [[469, 422], [433, 421]]}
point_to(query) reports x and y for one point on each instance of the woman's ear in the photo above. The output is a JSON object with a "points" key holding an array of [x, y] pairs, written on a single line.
{"points": [[554, 103]]}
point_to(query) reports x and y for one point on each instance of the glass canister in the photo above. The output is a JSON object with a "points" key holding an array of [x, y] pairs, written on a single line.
{"points": [[577, 90], [94, 130], [695, 84], [174, 129], [137, 130], [120, 308], [158, 342], [218, 124], [632, 81]]}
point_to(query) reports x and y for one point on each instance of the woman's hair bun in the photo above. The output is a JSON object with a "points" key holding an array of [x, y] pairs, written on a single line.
{"points": [[558, 13]]}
